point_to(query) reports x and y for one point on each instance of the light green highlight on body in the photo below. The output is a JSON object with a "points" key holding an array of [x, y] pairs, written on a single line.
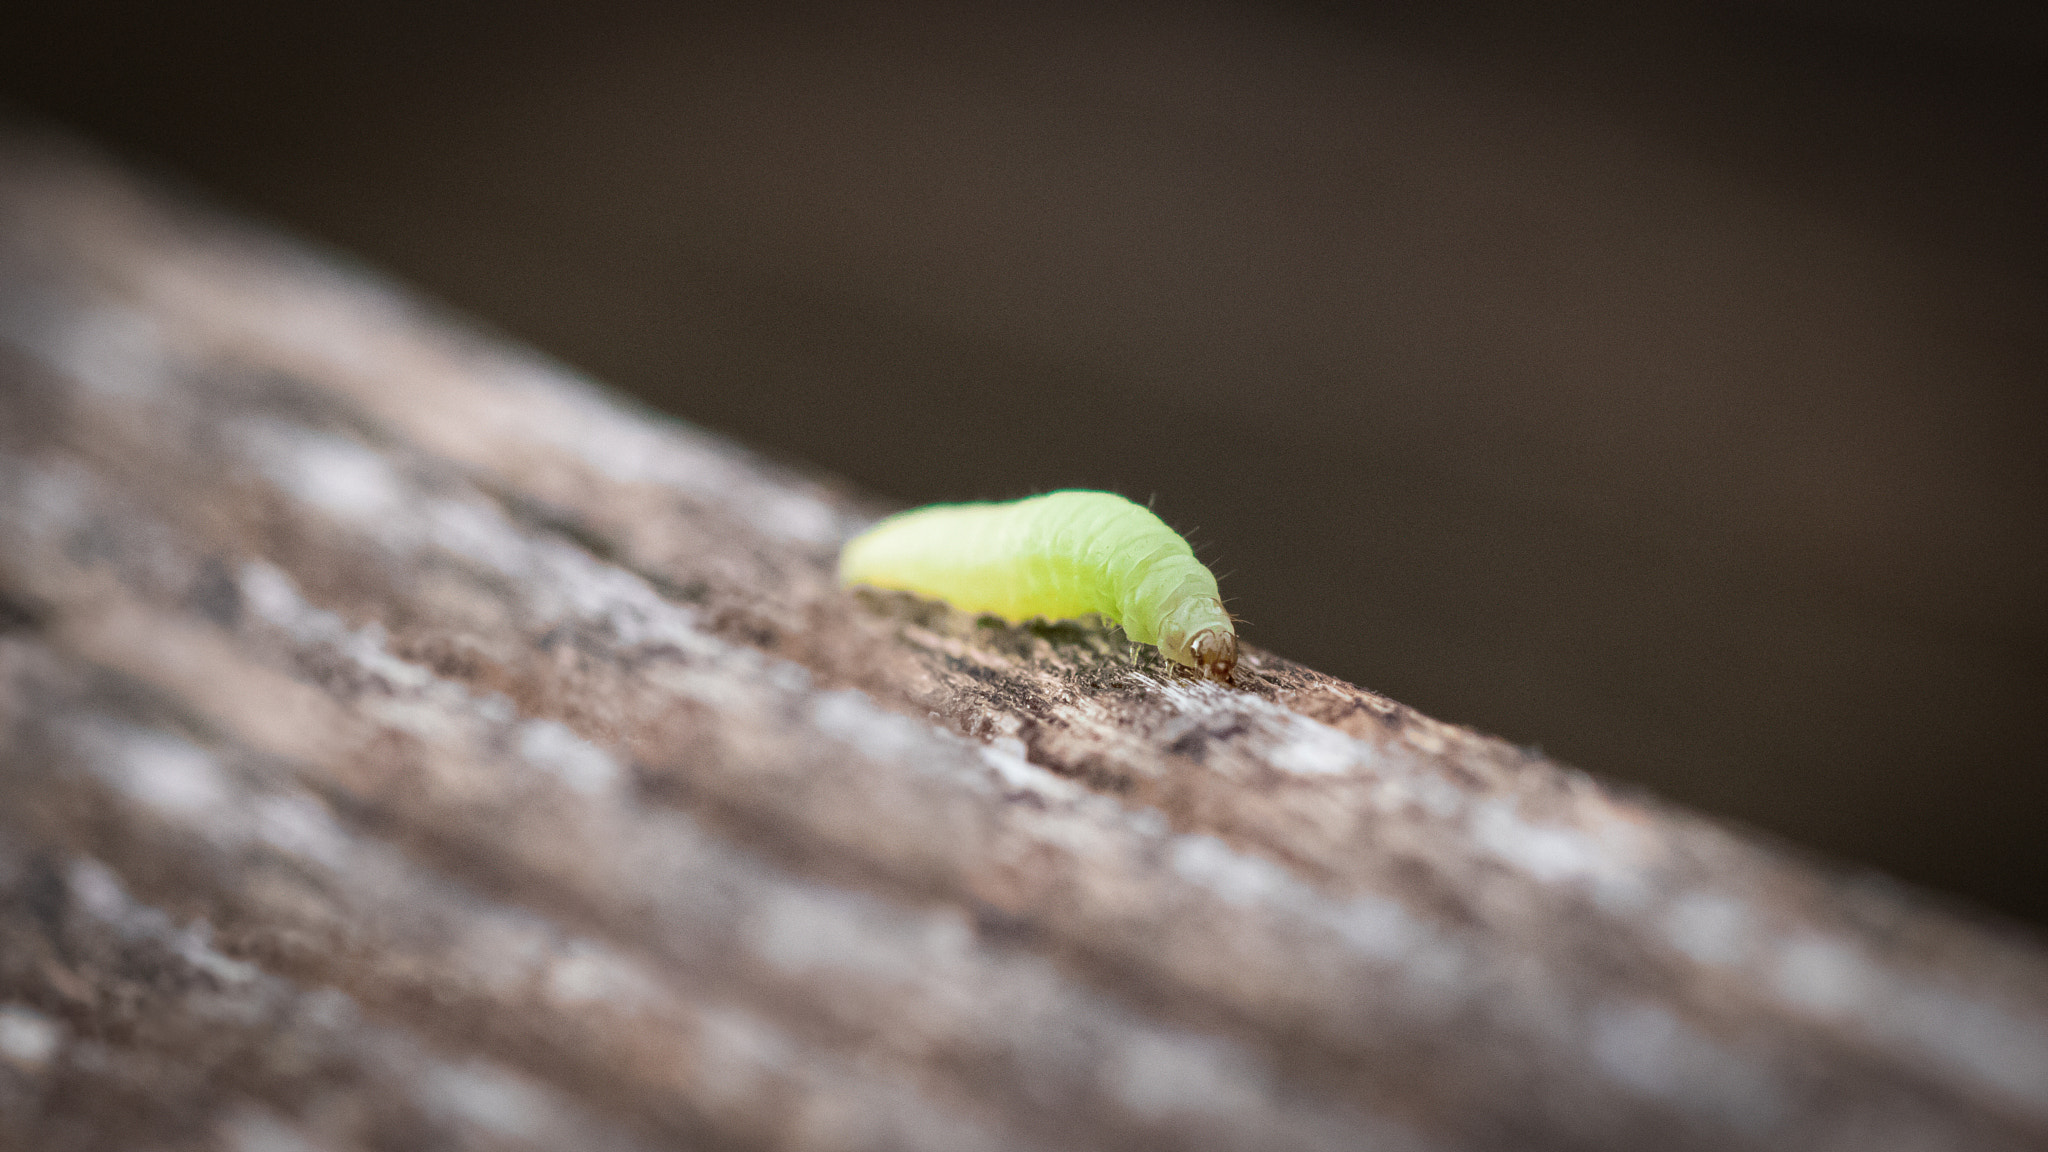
{"points": [[1057, 556]]}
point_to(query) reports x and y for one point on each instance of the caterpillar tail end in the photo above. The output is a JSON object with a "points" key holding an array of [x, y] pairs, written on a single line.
{"points": [[1215, 653]]}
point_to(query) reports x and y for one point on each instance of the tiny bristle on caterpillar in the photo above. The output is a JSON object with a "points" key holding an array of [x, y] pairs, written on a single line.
{"points": [[1057, 556]]}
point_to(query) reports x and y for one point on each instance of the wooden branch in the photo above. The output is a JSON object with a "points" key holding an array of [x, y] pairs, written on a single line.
{"points": [[404, 744]]}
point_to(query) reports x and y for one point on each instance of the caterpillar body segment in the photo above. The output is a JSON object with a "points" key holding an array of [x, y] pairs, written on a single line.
{"points": [[1061, 555]]}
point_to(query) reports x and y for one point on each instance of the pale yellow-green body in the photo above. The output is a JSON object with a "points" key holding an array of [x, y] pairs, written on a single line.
{"points": [[1057, 556]]}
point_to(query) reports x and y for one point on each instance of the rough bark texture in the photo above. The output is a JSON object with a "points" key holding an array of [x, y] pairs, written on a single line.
{"points": [[404, 744]]}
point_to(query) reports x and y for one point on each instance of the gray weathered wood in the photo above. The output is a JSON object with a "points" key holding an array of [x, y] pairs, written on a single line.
{"points": [[404, 744]]}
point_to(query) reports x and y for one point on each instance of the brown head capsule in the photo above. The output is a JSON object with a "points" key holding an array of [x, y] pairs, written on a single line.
{"points": [[1215, 653]]}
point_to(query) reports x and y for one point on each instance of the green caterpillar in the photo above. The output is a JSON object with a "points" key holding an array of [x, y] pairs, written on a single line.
{"points": [[1061, 555]]}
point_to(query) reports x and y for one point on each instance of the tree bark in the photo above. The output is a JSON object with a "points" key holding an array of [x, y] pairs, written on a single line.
{"points": [[406, 744]]}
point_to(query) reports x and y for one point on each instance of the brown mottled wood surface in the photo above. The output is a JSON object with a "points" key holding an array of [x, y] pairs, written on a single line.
{"points": [[405, 744]]}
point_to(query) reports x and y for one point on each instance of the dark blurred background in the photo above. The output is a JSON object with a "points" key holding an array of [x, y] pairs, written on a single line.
{"points": [[1668, 389]]}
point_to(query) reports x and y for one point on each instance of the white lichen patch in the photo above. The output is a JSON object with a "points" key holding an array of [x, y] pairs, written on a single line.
{"points": [[1160, 1076], [1711, 928], [587, 972], [1611, 865], [490, 1097], [1603, 853], [28, 1039], [1204, 1087], [1367, 924], [555, 747], [1011, 761], [1983, 1041], [1307, 748], [1649, 1050], [98, 891], [744, 1059], [299, 826], [164, 772], [342, 478], [1824, 976], [804, 929], [271, 596], [1269, 735], [117, 352], [853, 718], [254, 1130]]}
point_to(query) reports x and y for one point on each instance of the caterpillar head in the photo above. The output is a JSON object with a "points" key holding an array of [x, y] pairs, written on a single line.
{"points": [[1215, 653], [1198, 633]]}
